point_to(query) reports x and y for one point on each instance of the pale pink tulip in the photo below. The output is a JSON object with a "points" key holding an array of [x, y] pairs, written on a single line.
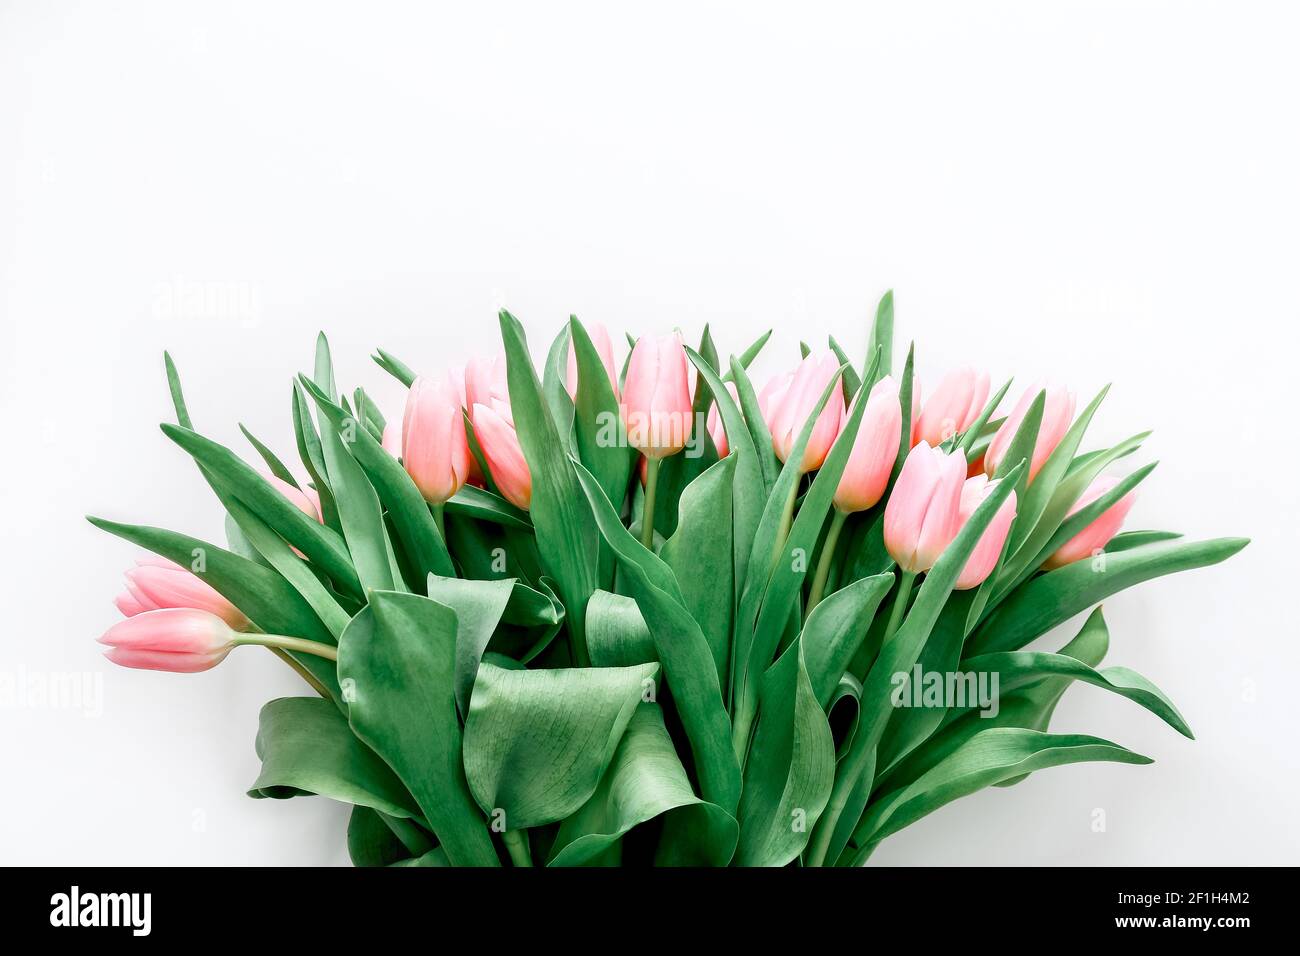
{"points": [[924, 510], [183, 640], [656, 402], [435, 451], [486, 382], [988, 549], [1058, 412], [604, 348], [1104, 527], [152, 586], [769, 398], [713, 423], [392, 440], [495, 431], [304, 499], [792, 408], [874, 449], [953, 408]]}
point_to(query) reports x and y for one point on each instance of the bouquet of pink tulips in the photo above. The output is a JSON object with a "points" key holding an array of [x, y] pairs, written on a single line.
{"points": [[652, 615]]}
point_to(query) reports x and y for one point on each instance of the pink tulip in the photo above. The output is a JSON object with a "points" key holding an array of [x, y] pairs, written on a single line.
{"points": [[1058, 412], [304, 499], [604, 348], [769, 397], [183, 640], [988, 549], [435, 451], [791, 408], [1104, 527], [151, 586], [392, 440], [713, 423], [656, 402], [495, 430], [953, 408], [486, 382], [924, 510], [874, 449]]}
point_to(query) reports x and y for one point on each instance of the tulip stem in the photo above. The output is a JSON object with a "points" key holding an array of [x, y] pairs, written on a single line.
{"points": [[284, 642], [905, 580], [439, 518], [783, 532], [648, 503], [516, 842], [824, 562]]}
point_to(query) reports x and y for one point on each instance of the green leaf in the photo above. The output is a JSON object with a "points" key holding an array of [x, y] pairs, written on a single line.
{"points": [[835, 629], [273, 463], [1051, 598], [986, 759], [538, 741], [791, 770], [702, 542], [646, 781], [682, 649], [483, 505], [398, 660], [882, 332], [616, 633], [177, 394], [479, 606], [598, 428], [747, 357], [371, 841], [313, 458], [306, 747], [566, 539], [394, 367]]}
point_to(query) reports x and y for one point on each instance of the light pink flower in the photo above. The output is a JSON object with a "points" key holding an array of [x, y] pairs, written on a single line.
{"points": [[1097, 534], [717, 431], [153, 585], [183, 640], [1058, 412], [604, 348], [988, 549], [875, 449], [495, 430], [791, 408], [656, 403], [435, 451], [953, 408], [924, 510]]}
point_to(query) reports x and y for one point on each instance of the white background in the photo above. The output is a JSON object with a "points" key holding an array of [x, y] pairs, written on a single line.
{"points": [[1091, 192]]}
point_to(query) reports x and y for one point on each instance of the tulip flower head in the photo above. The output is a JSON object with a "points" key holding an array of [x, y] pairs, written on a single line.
{"points": [[604, 348], [656, 403], [494, 428], [791, 407], [875, 449], [485, 382], [988, 549], [392, 439], [953, 408], [924, 510], [156, 583], [1058, 412], [435, 451], [184, 640], [1097, 534]]}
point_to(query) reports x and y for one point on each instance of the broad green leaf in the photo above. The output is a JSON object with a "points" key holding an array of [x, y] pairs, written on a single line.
{"points": [[397, 660], [882, 332], [1051, 598], [791, 769], [486, 506], [646, 781], [538, 741], [598, 428], [700, 555], [566, 537], [479, 606], [306, 747], [616, 633], [371, 841], [759, 434], [835, 629], [682, 649]]}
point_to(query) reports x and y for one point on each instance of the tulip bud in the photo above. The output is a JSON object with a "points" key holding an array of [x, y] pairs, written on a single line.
{"points": [[791, 408], [713, 424], [392, 439], [656, 402], [1098, 534], [435, 451], [924, 510], [486, 382], [495, 429], [151, 586], [1058, 412], [988, 549], [866, 474], [953, 408], [184, 640], [604, 348]]}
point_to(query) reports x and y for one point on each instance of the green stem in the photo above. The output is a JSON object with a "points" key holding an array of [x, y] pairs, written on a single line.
{"points": [[301, 671], [290, 644], [516, 842], [648, 503], [851, 768], [783, 531], [440, 519], [824, 563], [416, 843], [905, 580]]}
